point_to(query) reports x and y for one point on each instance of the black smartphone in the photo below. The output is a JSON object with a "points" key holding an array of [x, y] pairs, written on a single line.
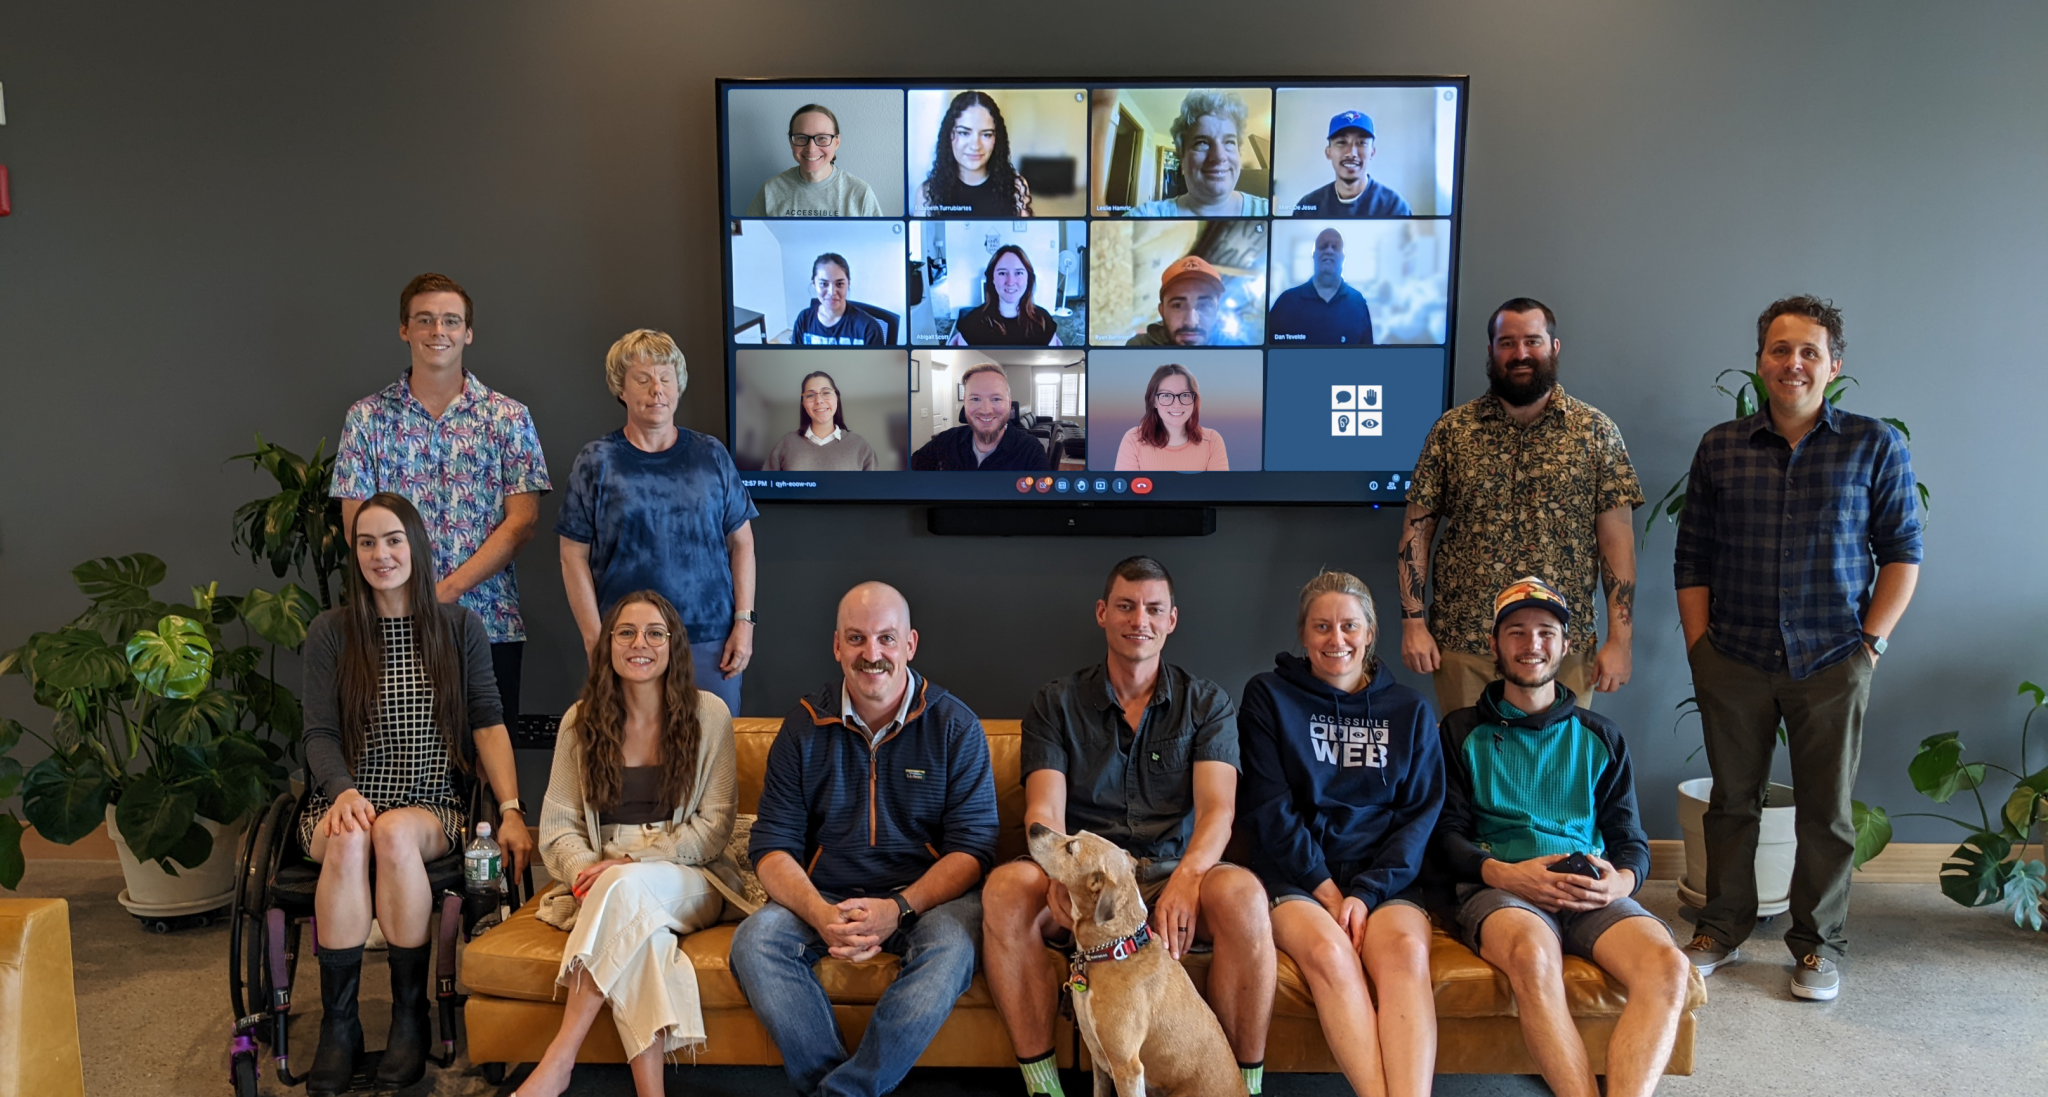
{"points": [[1578, 865]]}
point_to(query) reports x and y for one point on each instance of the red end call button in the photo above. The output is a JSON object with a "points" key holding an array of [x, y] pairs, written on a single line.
{"points": [[1142, 485]]}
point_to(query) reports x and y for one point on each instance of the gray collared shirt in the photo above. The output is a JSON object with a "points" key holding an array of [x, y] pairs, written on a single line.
{"points": [[875, 735], [1141, 795]]}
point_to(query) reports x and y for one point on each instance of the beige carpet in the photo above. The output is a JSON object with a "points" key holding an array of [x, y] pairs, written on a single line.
{"points": [[1937, 1000]]}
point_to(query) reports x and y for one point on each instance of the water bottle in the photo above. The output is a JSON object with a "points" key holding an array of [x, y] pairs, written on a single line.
{"points": [[483, 872]]}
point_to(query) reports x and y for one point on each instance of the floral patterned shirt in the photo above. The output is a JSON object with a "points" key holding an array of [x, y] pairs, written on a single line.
{"points": [[457, 470], [1518, 500]]}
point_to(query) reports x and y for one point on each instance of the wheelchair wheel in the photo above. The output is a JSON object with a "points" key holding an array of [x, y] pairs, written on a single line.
{"points": [[494, 1073], [243, 1075]]}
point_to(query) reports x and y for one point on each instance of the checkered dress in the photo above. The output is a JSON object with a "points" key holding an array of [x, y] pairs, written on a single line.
{"points": [[405, 761]]}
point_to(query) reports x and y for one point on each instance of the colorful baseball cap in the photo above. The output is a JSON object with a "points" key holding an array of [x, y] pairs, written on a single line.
{"points": [[1530, 591], [1352, 120], [1189, 267]]}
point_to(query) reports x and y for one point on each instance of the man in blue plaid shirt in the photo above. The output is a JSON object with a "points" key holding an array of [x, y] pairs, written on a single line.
{"points": [[1797, 552]]}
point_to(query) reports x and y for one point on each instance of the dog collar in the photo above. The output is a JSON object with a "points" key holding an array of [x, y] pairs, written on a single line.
{"points": [[1123, 948]]}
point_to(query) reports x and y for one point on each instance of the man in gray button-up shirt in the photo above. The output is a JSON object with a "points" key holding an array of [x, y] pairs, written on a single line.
{"points": [[1144, 754]]}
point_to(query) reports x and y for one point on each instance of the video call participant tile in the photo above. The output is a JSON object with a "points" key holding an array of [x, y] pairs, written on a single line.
{"points": [[1363, 410], [1177, 283], [997, 152], [1168, 409], [820, 411], [1004, 283], [1002, 410], [775, 167], [1181, 152], [1364, 152], [1353, 282], [818, 283]]}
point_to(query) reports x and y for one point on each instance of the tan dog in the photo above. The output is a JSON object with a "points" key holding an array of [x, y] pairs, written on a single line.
{"points": [[1147, 1029]]}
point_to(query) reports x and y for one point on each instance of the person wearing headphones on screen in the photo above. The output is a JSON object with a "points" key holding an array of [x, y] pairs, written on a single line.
{"points": [[831, 320], [815, 187], [986, 442], [1190, 301], [971, 174], [1006, 315], [1207, 135], [1354, 193]]}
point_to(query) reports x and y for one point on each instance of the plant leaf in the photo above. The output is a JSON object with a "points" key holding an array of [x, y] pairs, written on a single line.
{"points": [[280, 618], [1900, 426], [273, 704], [199, 719], [2021, 809], [2029, 689], [1873, 830], [11, 863], [153, 817], [175, 661], [1975, 874], [1937, 771], [2023, 893], [10, 769], [65, 797], [119, 577], [76, 658], [190, 850]]}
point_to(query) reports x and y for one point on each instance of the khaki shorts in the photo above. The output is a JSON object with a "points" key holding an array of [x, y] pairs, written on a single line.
{"points": [[1461, 678]]}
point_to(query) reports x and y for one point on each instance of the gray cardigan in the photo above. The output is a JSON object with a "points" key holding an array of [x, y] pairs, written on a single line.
{"points": [[325, 764]]}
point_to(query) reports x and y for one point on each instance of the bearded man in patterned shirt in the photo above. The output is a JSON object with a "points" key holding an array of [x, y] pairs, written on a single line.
{"points": [[1524, 480]]}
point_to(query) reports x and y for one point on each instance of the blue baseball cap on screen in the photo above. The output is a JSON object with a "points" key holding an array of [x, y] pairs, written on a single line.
{"points": [[1352, 120]]}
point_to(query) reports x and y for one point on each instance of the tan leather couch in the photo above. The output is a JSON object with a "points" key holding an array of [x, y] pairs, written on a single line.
{"points": [[38, 1009], [514, 1007]]}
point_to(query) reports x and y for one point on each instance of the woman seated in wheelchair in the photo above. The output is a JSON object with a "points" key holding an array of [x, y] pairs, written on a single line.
{"points": [[639, 810], [401, 707]]}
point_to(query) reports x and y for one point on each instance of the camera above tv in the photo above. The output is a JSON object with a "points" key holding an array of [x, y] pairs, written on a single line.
{"points": [[1190, 291]]}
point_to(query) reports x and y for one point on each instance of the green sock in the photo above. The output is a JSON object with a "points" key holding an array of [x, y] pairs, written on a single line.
{"points": [[1254, 1076], [1041, 1075]]}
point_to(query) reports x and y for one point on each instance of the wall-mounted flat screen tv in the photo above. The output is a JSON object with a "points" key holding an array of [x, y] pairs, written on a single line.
{"points": [[1194, 291]]}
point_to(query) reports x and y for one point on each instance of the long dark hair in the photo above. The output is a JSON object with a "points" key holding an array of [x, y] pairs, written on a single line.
{"points": [[361, 675], [1151, 430], [803, 418], [1029, 316], [942, 187], [601, 714]]}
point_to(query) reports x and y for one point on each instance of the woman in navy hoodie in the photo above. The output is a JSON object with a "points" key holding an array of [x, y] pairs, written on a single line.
{"points": [[1343, 778]]}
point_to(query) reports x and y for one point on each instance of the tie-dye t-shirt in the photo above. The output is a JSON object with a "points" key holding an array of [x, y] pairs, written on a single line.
{"points": [[457, 470], [658, 521]]}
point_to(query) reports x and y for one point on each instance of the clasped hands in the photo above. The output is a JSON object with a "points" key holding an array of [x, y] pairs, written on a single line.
{"points": [[854, 929], [1559, 891]]}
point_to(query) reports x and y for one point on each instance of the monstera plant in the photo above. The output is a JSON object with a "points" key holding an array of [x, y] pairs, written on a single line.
{"points": [[1983, 870], [171, 713], [297, 530]]}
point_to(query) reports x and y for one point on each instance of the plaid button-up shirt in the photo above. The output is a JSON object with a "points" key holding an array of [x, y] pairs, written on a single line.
{"points": [[1788, 541]]}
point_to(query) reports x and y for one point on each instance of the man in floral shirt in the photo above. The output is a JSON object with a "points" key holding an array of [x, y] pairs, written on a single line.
{"points": [[1526, 481], [466, 456]]}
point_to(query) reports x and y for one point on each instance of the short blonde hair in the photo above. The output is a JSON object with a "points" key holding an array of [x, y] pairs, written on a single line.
{"points": [[656, 347], [1222, 104]]}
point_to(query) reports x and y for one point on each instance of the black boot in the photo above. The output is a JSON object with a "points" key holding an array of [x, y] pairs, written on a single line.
{"points": [[341, 1031], [405, 1053]]}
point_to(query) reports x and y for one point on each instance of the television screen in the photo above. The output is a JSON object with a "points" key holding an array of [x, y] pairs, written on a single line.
{"points": [[1232, 291]]}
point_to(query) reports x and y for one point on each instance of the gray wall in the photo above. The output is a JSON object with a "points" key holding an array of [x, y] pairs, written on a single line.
{"points": [[215, 208]]}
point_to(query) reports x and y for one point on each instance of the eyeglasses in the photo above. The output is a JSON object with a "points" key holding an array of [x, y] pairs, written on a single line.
{"points": [[822, 140], [1168, 399], [625, 635], [449, 321]]}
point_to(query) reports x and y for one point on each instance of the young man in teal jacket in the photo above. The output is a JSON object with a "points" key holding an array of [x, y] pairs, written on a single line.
{"points": [[877, 822], [1541, 841]]}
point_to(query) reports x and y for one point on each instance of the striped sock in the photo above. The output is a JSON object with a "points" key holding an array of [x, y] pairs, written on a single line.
{"points": [[1254, 1076], [1041, 1075]]}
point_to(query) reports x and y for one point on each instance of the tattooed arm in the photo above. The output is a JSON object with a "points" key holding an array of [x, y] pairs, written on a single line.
{"points": [[1418, 648], [1611, 667]]}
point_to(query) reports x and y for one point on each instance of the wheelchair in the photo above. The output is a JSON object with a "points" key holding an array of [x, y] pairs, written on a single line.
{"points": [[271, 907]]}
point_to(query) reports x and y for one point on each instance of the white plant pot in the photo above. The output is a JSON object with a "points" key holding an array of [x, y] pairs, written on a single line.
{"points": [[154, 893], [1776, 844]]}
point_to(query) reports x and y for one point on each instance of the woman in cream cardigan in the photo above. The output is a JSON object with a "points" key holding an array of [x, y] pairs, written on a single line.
{"points": [[638, 812]]}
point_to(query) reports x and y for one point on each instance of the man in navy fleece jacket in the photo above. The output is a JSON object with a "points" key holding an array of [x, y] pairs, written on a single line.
{"points": [[877, 821]]}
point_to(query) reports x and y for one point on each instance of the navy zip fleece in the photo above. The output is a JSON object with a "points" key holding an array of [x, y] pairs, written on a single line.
{"points": [[1575, 796], [1334, 779], [868, 820]]}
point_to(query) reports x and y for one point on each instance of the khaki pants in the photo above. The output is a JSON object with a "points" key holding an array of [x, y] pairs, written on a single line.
{"points": [[1461, 678], [1740, 707]]}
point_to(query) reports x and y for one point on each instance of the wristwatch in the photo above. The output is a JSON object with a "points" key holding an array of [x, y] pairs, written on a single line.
{"points": [[1876, 643], [906, 915], [510, 805], [747, 615]]}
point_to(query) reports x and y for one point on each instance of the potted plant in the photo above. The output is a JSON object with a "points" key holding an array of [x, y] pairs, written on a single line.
{"points": [[161, 728], [1777, 843], [299, 528], [1990, 866]]}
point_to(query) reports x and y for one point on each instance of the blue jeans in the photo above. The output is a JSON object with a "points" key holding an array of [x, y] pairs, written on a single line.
{"points": [[704, 659], [772, 954]]}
